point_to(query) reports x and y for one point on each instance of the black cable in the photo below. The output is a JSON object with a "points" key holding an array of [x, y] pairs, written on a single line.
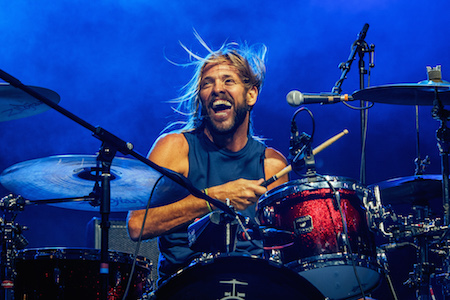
{"points": [[312, 119], [138, 245], [370, 105], [347, 238]]}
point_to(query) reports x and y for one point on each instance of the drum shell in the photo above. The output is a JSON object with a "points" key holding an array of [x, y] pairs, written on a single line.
{"points": [[65, 273], [308, 236], [309, 211], [237, 277]]}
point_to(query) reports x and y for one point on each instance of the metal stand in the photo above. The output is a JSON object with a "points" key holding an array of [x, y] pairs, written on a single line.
{"points": [[443, 138], [105, 157], [360, 47], [11, 241], [420, 277]]}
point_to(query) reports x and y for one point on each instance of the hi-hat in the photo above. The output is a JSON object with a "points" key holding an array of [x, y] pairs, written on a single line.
{"points": [[16, 104], [422, 93], [414, 190], [74, 176]]}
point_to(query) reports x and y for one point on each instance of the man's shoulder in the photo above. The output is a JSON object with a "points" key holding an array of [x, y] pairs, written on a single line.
{"points": [[172, 140], [273, 153]]}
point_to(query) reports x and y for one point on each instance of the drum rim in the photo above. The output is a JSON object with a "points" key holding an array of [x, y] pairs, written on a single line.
{"points": [[361, 260], [80, 253], [222, 259], [290, 187]]}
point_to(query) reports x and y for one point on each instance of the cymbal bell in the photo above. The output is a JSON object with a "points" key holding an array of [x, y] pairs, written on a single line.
{"points": [[72, 176], [16, 104], [422, 93], [413, 190]]}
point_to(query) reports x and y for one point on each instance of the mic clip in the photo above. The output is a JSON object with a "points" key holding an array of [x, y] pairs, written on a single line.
{"points": [[302, 157]]}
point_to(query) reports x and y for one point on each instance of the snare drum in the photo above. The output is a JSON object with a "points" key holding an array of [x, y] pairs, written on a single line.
{"points": [[236, 277], [307, 234], [63, 273]]}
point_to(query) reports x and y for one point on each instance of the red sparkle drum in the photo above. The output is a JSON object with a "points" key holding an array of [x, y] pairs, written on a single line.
{"points": [[236, 278], [63, 273], [304, 231]]}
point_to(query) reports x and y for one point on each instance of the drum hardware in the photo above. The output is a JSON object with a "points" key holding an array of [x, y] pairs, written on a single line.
{"points": [[419, 190], [315, 151], [215, 232], [383, 262], [11, 241], [421, 164], [300, 151], [433, 92], [442, 274]]}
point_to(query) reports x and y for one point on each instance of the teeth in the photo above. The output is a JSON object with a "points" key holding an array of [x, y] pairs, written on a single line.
{"points": [[221, 102]]}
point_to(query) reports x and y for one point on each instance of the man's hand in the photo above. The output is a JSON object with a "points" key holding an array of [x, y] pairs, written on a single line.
{"points": [[242, 192]]}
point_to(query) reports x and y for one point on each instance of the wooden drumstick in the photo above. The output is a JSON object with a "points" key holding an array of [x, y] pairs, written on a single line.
{"points": [[314, 152]]}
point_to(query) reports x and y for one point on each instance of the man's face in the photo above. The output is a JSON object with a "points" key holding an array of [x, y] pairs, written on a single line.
{"points": [[224, 98]]}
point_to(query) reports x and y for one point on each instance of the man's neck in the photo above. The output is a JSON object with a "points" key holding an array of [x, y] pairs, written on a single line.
{"points": [[233, 141]]}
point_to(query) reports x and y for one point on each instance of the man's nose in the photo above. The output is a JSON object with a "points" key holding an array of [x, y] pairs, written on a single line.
{"points": [[219, 87]]}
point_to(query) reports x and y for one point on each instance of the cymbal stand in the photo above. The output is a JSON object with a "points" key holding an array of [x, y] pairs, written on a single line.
{"points": [[443, 138], [105, 157], [420, 277], [11, 241]]}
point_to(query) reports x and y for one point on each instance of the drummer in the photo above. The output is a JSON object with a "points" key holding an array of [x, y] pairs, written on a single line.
{"points": [[215, 150]]}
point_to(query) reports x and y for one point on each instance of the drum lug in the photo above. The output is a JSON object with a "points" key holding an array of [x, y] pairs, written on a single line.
{"points": [[269, 215], [275, 255], [375, 212]]}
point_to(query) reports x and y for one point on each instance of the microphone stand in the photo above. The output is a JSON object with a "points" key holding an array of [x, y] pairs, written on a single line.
{"points": [[110, 145], [360, 47]]}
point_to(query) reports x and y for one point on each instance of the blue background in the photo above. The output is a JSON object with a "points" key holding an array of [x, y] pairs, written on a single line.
{"points": [[107, 61]]}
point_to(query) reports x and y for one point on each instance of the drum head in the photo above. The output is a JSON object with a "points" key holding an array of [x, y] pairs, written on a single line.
{"points": [[237, 277]]}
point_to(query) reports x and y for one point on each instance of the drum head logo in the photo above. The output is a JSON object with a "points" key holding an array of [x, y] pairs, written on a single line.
{"points": [[303, 224], [234, 294]]}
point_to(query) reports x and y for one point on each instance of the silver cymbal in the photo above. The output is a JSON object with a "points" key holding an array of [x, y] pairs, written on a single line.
{"points": [[16, 104], [413, 190], [72, 176], [422, 93]]}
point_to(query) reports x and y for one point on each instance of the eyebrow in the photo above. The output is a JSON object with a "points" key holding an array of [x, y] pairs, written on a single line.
{"points": [[224, 76]]}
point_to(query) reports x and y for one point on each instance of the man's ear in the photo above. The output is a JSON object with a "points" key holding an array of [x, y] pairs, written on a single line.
{"points": [[252, 96]]}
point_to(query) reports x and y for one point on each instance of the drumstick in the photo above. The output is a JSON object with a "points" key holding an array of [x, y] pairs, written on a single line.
{"points": [[314, 152]]}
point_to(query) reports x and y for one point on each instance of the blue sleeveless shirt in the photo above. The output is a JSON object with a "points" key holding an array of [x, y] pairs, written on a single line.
{"points": [[211, 166]]}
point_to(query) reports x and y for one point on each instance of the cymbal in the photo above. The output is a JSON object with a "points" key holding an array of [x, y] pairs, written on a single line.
{"points": [[422, 93], [414, 190], [16, 104], [72, 176]]}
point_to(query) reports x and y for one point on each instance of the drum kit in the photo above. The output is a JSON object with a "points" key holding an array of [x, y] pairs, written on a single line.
{"points": [[317, 232]]}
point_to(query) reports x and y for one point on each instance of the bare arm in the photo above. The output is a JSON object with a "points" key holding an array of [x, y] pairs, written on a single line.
{"points": [[274, 163], [171, 151]]}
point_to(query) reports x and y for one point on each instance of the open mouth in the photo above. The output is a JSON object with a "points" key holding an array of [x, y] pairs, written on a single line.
{"points": [[221, 105]]}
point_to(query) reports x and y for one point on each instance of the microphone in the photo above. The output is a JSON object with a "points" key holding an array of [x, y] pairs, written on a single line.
{"points": [[296, 98], [362, 34]]}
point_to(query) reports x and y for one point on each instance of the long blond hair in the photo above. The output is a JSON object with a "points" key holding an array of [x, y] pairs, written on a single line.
{"points": [[248, 60]]}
